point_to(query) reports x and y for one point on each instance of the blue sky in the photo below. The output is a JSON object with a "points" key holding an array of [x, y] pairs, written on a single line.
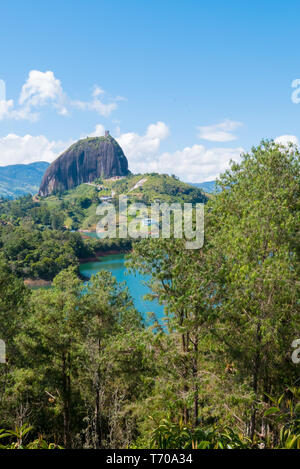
{"points": [[183, 85]]}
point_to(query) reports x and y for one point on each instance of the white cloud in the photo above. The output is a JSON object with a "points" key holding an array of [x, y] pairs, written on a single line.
{"points": [[98, 132], [97, 91], [96, 104], [193, 164], [286, 139], [140, 147], [15, 149], [41, 89], [219, 132], [8, 111]]}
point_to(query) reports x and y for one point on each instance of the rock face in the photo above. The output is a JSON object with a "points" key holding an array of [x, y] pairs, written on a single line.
{"points": [[85, 161]]}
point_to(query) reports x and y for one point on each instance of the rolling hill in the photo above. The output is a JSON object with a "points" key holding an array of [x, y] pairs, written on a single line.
{"points": [[78, 205], [20, 179], [208, 187]]}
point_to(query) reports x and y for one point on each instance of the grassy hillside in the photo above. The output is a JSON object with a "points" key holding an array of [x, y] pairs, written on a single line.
{"points": [[79, 205], [153, 186]]}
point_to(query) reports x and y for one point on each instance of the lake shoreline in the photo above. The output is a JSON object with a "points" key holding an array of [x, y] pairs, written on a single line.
{"points": [[99, 254], [40, 283], [113, 261], [137, 283]]}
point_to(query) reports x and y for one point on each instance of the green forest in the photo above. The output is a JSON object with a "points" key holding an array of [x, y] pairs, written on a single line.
{"points": [[82, 369]]}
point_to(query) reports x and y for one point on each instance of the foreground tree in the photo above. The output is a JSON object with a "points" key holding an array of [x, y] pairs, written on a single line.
{"points": [[14, 311], [50, 342], [256, 220], [83, 349], [109, 316], [232, 307]]}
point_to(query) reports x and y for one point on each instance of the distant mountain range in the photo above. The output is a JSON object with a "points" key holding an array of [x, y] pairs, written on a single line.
{"points": [[20, 179], [209, 187]]}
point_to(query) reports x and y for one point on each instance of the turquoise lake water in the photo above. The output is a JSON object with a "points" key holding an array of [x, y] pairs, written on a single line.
{"points": [[90, 234], [135, 282]]}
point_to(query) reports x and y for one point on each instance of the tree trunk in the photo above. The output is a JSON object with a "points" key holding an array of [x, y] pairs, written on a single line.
{"points": [[98, 431], [196, 386], [66, 400], [98, 437], [256, 370]]}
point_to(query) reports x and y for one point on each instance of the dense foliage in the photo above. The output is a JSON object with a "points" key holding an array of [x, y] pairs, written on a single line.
{"points": [[76, 208], [83, 371], [40, 254]]}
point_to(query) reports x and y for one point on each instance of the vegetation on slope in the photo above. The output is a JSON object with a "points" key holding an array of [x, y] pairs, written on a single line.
{"points": [[84, 371], [76, 209], [36, 234]]}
